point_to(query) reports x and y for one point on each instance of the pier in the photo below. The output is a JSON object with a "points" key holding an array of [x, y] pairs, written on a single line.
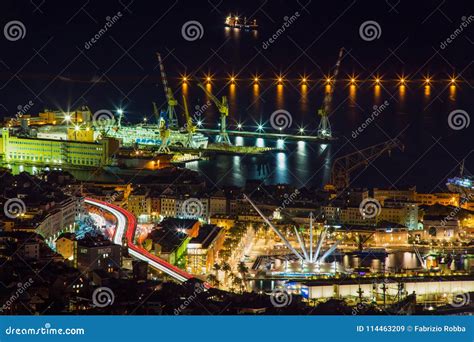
{"points": [[284, 136]]}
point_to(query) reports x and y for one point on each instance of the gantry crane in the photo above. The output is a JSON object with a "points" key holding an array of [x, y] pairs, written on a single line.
{"points": [[172, 103], [324, 128], [163, 124], [342, 167], [223, 107], [190, 128]]}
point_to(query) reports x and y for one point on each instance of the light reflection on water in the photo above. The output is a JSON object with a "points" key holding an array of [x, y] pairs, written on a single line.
{"points": [[309, 163], [394, 262], [300, 163]]}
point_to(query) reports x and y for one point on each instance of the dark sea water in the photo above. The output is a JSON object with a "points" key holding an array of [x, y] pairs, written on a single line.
{"points": [[67, 75]]}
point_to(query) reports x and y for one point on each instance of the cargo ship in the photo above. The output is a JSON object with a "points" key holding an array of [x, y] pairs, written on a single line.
{"points": [[235, 22]]}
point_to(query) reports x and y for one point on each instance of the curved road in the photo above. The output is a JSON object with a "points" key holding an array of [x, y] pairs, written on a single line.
{"points": [[126, 224]]}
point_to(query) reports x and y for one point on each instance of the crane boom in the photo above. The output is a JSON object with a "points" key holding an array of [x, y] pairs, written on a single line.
{"points": [[343, 166], [157, 114], [190, 128], [189, 122], [172, 103], [223, 107], [328, 98], [324, 128], [162, 119]]}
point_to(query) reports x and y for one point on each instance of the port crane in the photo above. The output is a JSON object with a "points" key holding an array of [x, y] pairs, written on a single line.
{"points": [[223, 107], [163, 124], [342, 167], [172, 103], [190, 128], [324, 128]]}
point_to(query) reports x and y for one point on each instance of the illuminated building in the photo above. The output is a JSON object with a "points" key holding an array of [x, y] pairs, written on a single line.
{"points": [[60, 217], [402, 195], [188, 226], [66, 245], [172, 204], [224, 221], [203, 249], [437, 198], [391, 236], [353, 216], [50, 152], [155, 204], [426, 288], [76, 133], [331, 213], [169, 245], [139, 203], [401, 212], [440, 228], [49, 117], [218, 203], [168, 205], [46, 218]]}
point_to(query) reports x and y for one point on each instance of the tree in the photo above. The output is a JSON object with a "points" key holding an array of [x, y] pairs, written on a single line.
{"points": [[225, 254], [238, 283], [212, 279], [216, 268], [243, 270], [226, 268]]}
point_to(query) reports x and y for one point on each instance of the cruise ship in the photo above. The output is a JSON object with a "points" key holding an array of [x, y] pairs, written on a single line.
{"points": [[54, 125], [149, 134]]}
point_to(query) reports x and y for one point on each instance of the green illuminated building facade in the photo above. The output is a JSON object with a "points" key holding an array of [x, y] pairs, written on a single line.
{"points": [[33, 151]]}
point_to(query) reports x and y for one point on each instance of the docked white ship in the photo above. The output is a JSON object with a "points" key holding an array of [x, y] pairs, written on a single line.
{"points": [[149, 134]]}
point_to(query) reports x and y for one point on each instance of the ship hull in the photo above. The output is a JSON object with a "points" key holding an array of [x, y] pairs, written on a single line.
{"points": [[144, 135]]}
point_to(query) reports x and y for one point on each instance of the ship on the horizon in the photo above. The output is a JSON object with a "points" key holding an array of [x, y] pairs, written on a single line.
{"points": [[233, 21]]}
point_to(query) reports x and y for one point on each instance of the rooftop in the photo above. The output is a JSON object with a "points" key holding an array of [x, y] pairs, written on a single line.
{"points": [[207, 235], [167, 239]]}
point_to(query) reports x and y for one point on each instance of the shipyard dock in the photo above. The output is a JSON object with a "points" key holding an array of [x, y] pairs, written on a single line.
{"points": [[299, 137]]}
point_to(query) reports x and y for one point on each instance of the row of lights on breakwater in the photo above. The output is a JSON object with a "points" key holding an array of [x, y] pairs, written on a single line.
{"points": [[426, 80]]}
